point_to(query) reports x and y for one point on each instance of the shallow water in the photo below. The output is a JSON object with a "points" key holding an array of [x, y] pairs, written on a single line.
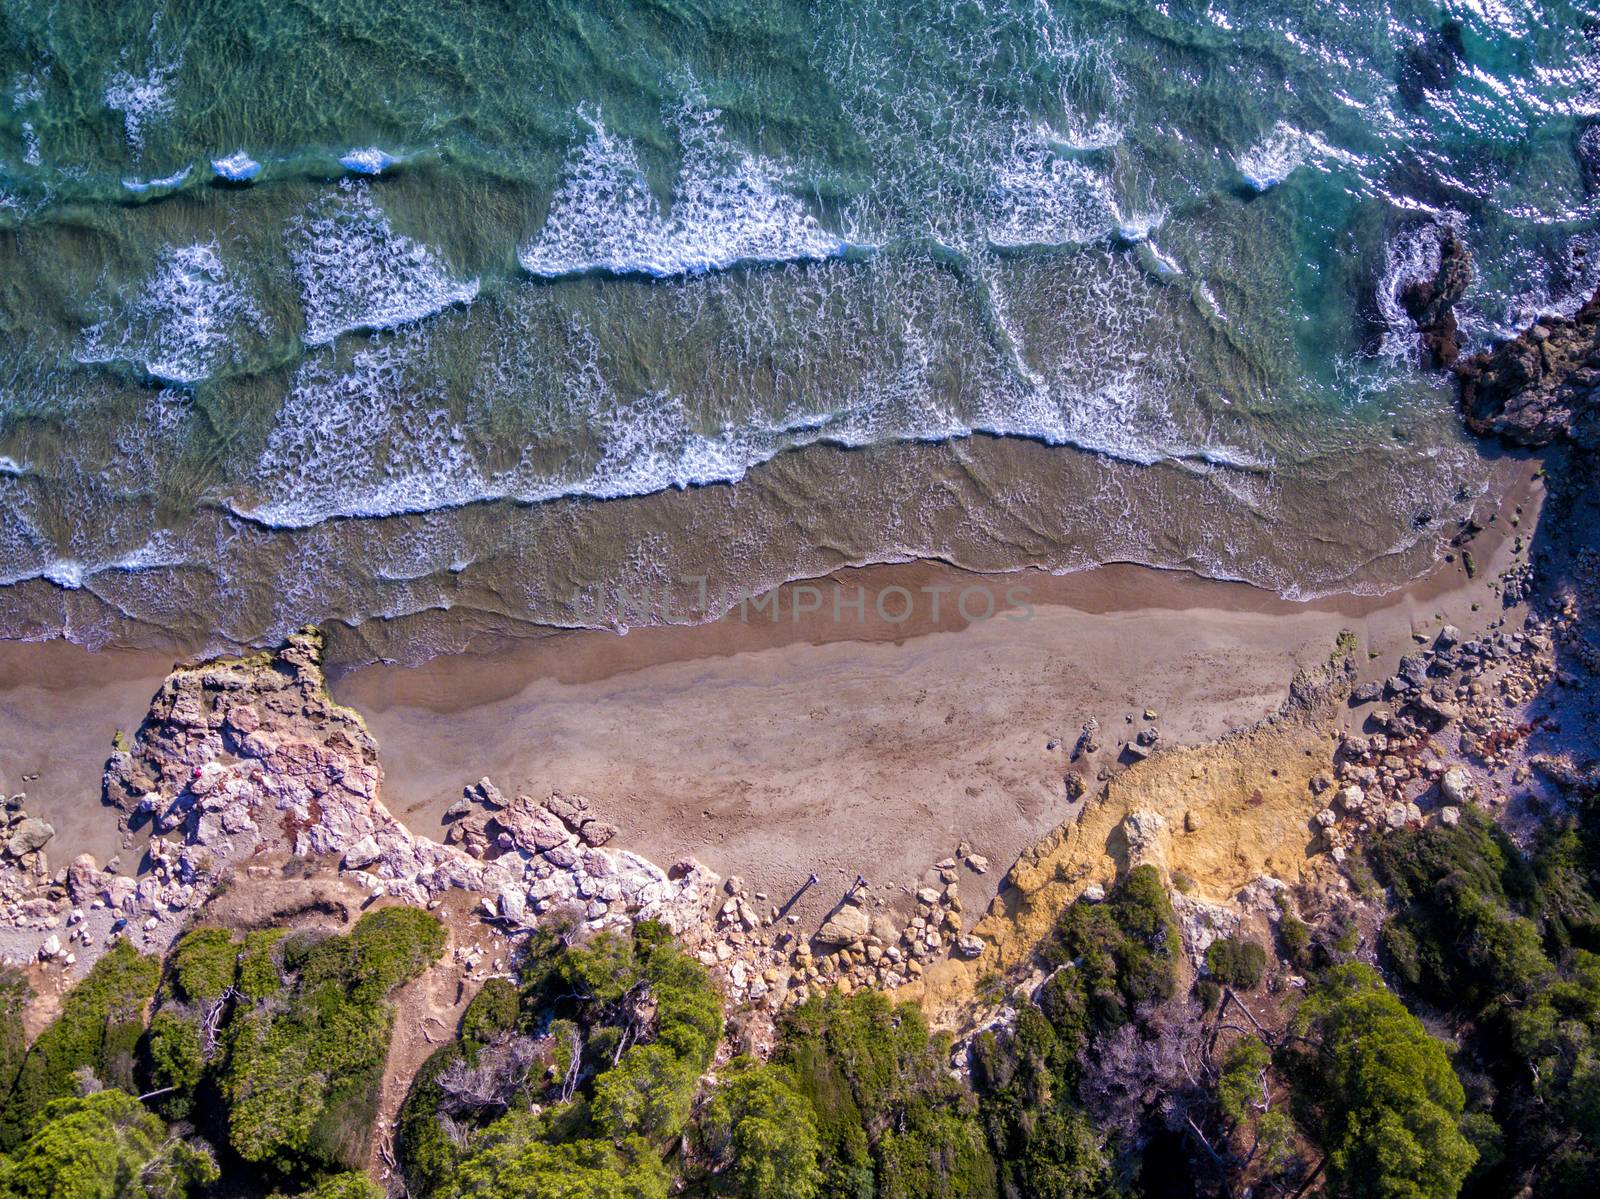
{"points": [[452, 318]]}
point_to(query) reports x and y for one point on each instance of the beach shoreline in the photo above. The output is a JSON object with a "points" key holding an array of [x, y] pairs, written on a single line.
{"points": [[855, 724]]}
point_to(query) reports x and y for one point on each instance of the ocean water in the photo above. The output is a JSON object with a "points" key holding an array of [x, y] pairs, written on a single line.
{"points": [[430, 319]]}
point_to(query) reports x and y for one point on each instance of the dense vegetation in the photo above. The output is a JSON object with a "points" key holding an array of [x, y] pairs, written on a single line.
{"points": [[1504, 947], [97, 1033], [594, 1072], [261, 1058]]}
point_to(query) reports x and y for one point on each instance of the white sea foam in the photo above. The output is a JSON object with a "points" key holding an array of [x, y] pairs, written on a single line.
{"points": [[184, 322], [356, 272], [145, 185], [728, 206], [370, 440], [237, 167], [1281, 152], [142, 100], [368, 161], [1040, 198]]}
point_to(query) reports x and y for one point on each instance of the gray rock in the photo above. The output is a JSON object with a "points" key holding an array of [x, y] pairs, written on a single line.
{"points": [[1449, 817], [1094, 893], [845, 927], [461, 807], [29, 834], [969, 946], [1449, 636], [363, 853], [489, 794], [1456, 787], [512, 902], [563, 856], [977, 863], [596, 833], [531, 828], [573, 810]]}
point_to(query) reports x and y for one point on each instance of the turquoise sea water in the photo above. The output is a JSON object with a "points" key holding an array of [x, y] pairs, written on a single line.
{"points": [[432, 317]]}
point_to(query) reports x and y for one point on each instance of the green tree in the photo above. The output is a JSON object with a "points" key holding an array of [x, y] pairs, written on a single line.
{"points": [[349, 1185], [1388, 1101], [760, 1134], [103, 1146], [513, 1160]]}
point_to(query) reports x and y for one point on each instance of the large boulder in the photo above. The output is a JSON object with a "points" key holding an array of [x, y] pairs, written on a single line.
{"points": [[847, 926], [27, 835], [1430, 300], [1456, 787], [530, 827]]}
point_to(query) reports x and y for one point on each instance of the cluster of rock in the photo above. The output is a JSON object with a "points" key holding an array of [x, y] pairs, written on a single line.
{"points": [[52, 918], [1471, 690], [483, 819], [1540, 385], [28, 893], [247, 757], [764, 961]]}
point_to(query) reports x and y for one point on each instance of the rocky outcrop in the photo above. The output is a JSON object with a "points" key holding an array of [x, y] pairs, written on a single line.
{"points": [[1430, 302], [1541, 385], [243, 757]]}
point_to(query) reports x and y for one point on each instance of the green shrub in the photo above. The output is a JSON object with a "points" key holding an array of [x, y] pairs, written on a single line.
{"points": [[494, 1009], [1236, 962], [350, 1185], [15, 994], [513, 1158], [1123, 952], [885, 1105], [174, 1058], [98, 1029], [1294, 938], [203, 965], [303, 1064], [425, 1151], [631, 1020]]}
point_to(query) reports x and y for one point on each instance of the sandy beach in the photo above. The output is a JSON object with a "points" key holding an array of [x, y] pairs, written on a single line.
{"points": [[864, 723]]}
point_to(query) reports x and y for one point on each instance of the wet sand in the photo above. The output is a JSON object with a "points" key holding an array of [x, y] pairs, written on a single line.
{"points": [[808, 734], [770, 746]]}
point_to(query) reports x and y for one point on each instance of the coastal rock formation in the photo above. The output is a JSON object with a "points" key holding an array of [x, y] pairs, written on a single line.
{"points": [[240, 760], [1540, 385], [1431, 302]]}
